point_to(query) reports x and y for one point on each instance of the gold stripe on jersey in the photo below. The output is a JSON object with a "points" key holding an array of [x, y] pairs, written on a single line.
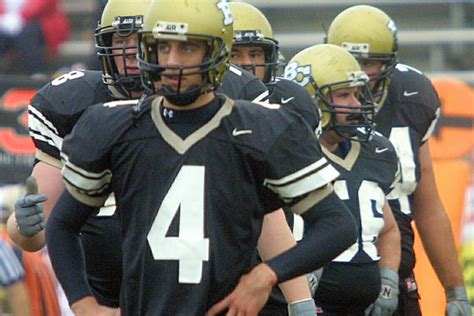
{"points": [[176, 142], [90, 182], [312, 199], [350, 159], [44, 157], [305, 180], [86, 199]]}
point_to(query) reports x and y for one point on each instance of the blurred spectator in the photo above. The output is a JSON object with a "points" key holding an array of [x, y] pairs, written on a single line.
{"points": [[93, 62], [12, 276], [31, 32]]}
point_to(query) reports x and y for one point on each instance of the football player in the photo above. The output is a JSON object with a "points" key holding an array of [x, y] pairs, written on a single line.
{"points": [[191, 221], [407, 111], [368, 167], [256, 50], [55, 110]]}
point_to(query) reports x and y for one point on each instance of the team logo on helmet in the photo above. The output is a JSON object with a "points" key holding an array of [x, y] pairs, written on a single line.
{"points": [[299, 74]]}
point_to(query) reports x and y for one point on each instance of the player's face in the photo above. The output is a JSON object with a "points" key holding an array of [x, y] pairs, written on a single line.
{"points": [[173, 53], [346, 97], [371, 68], [246, 56], [126, 60]]}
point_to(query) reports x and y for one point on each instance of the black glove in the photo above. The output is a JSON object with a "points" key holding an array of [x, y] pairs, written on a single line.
{"points": [[29, 211]]}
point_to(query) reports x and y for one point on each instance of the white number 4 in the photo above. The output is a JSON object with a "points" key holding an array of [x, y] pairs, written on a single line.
{"points": [[190, 248]]}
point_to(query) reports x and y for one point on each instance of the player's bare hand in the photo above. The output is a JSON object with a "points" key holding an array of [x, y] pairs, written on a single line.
{"points": [[109, 311], [250, 295], [89, 306]]}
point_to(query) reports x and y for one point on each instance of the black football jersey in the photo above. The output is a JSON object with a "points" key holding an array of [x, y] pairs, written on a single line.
{"points": [[191, 207], [239, 84], [407, 117], [53, 112], [368, 173], [294, 97], [291, 96], [57, 106]]}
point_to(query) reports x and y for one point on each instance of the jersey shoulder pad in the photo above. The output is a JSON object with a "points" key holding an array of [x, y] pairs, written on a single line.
{"points": [[109, 118], [379, 146], [294, 97], [71, 93], [265, 120], [413, 87], [239, 84]]}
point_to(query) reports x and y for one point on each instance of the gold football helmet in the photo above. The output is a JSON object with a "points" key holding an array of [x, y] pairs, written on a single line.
{"points": [[369, 34], [183, 20], [124, 18], [252, 28], [323, 68]]}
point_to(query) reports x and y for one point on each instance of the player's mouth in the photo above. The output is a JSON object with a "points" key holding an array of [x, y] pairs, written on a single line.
{"points": [[173, 81], [133, 70]]}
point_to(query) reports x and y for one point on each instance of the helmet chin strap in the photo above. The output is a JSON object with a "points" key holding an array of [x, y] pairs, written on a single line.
{"points": [[182, 99]]}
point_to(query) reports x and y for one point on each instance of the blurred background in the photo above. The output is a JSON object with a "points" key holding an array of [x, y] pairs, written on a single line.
{"points": [[435, 36]]}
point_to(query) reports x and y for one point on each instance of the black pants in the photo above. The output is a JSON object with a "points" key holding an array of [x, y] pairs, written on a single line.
{"points": [[408, 300], [28, 49]]}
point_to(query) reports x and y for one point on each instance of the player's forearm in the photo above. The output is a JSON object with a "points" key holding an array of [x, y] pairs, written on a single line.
{"points": [[331, 228], [26, 243], [85, 306], [390, 249], [389, 241], [65, 251], [275, 238], [437, 237]]}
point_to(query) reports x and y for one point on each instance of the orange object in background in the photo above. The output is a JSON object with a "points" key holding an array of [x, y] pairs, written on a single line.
{"points": [[454, 134], [450, 144], [452, 177]]}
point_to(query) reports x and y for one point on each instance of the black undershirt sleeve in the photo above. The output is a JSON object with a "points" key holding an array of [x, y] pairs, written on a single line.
{"points": [[330, 229], [64, 246]]}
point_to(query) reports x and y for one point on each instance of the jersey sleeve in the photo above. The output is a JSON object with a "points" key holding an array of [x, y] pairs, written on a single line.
{"points": [[296, 165], [419, 101], [86, 162], [296, 98], [45, 131], [248, 86]]}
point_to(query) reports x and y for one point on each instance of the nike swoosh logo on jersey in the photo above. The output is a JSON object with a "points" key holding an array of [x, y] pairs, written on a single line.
{"points": [[283, 100], [408, 94], [380, 150], [236, 132]]}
